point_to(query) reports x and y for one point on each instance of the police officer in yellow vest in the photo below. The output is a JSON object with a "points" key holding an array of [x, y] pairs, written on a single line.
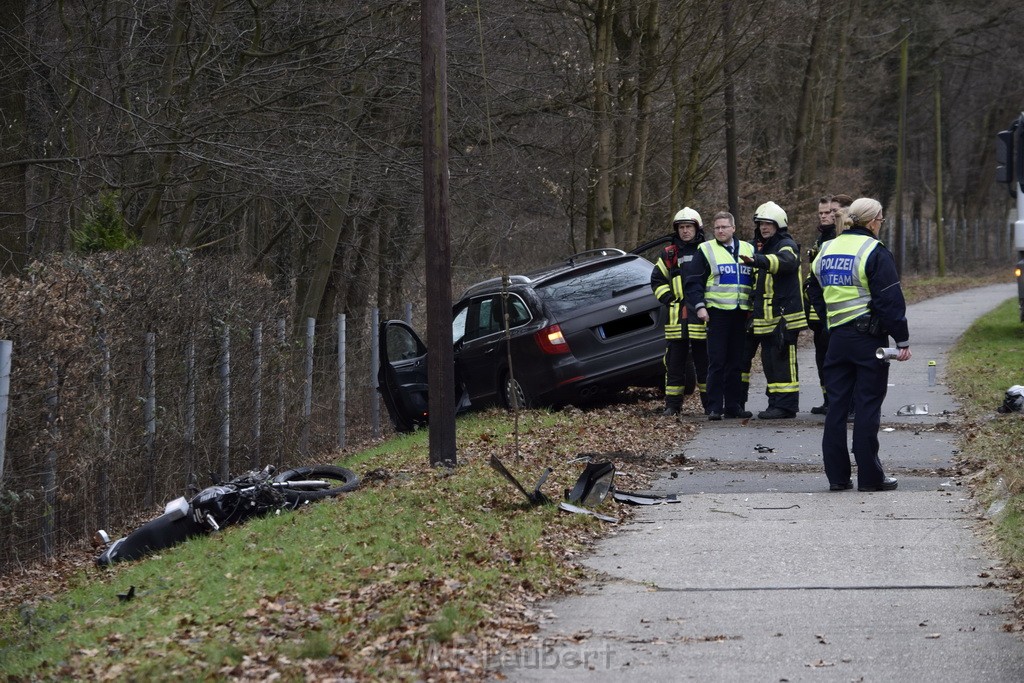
{"points": [[718, 286], [667, 283], [778, 310], [864, 306]]}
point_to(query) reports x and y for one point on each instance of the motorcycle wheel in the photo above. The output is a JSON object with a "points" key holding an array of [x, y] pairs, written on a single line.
{"points": [[339, 479]]}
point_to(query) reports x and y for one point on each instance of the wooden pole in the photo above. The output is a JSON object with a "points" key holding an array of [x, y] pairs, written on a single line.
{"points": [[440, 365]]}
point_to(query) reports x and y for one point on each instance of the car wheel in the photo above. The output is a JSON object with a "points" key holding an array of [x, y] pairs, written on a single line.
{"points": [[512, 393]]}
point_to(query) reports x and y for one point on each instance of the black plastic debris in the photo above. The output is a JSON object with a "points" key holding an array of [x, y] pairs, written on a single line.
{"points": [[535, 497], [593, 485], [1013, 402], [760, 448]]}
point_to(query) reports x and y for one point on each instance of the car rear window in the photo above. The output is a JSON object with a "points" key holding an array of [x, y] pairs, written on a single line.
{"points": [[595, 284]]}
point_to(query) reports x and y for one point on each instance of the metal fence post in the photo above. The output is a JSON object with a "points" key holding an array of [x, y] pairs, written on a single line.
{"points": [[342, 387], [282, 365], [224, 367], [53, 423], [307, 397], [374, 364], [149, 417], [106, 433], [190, 410], [257, 395], [5, 396]]}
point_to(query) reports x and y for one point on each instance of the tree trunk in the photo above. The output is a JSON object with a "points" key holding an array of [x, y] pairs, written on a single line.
{"points": [[731, 171], [13, 234], [838, 82], [649, 44], [939, 228], [603, 18], [797, 156], [901, 150]]}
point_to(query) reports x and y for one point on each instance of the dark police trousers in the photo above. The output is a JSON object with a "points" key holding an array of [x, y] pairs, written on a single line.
{"points": [[853, 377], [727, 334]]}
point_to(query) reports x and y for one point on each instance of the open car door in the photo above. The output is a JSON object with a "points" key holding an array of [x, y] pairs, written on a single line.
{"points": [[402, 376]]}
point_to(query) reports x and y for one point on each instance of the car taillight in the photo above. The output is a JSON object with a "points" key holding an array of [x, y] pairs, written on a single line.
{"points": [[550, 340]]}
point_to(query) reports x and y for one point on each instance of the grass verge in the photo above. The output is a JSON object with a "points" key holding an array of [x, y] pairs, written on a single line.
{"points": [[987, 360], [422, 574]]}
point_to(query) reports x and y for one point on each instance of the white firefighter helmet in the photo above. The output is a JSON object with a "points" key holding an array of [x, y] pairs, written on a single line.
{"points": [[770, 211], [687, 215]]}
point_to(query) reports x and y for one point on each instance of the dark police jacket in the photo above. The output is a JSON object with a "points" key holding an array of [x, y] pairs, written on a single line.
{"points": [[778, 294]]}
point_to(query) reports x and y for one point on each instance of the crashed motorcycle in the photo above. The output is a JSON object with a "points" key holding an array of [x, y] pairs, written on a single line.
{"points": [[253, 494]]}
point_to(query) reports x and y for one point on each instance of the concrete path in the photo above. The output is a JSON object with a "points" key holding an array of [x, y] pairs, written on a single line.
{"points": [[762, 574]]}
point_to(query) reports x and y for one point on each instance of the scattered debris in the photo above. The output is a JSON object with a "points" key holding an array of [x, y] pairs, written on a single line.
{"points": [[575, 509], [535, 497], [760, 448], [590, 490], [125, 597], [1014, 400], [913, 409], [643, 498], [593, 485]]}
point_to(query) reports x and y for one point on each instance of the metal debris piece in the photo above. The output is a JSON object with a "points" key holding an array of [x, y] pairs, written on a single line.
{"points": [[575, 509], [643, 498]]}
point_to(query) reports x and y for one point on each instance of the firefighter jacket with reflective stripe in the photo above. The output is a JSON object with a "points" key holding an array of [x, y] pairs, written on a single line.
{"points": [[667, 283], [718, 278], [855, 274], [825, 233], [778, 293]]}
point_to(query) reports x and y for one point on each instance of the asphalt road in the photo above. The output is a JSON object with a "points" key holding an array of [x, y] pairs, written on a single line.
{"points": [[761, 574]]}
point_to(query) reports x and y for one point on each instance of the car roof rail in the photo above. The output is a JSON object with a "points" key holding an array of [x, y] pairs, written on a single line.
{"points": [[594, 253], [490, 284]]}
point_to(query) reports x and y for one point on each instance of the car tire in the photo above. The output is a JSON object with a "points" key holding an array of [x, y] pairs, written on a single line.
{"points": [[510, 385]]}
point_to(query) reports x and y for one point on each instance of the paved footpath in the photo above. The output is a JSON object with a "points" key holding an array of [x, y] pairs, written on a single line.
{"points": [[762, 574]]}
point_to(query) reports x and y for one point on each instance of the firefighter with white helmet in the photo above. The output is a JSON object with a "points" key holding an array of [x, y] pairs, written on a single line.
{"points": [[778, 310], [684, 333]]}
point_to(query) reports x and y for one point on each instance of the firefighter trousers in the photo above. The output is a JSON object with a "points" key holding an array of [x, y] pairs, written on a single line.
{"points": [[778, 360]]}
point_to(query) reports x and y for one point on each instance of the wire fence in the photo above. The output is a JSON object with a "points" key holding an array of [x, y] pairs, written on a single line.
{"points": [[158, 418], [112, 404]]}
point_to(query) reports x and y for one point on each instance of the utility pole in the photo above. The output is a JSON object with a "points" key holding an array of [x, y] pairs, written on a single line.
{"points": [[436, 234]]}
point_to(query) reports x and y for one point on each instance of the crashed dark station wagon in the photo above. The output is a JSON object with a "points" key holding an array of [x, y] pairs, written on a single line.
{"points": [[578, 328]]}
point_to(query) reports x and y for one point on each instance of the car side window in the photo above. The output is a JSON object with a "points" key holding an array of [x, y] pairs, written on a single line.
{"points": [[484, 316], [402, 345], [519, 313], [459, 325]]}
